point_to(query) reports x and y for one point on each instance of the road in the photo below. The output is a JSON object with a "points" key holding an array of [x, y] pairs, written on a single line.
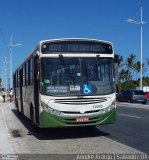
{"points": [[132, 126], [128, 135]]}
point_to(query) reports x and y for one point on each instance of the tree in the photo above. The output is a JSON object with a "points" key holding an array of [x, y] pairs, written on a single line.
{"points": [[145, 81], [128, 69], [147, 62], [125, 75], [129, 85], [118, 59], [130, 63], [137, 67], [122, 75]]}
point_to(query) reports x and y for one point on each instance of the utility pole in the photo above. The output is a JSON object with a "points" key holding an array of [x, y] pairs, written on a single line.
{"points": [[141, 24], [11, 45], [5, 74]]}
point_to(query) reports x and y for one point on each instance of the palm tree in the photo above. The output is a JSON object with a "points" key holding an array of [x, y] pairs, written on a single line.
{"points": [[122, 75], [125, 75], [118, 59], [128, 75], [143, 67], [137, 67], [147, 61], [130, 63]]}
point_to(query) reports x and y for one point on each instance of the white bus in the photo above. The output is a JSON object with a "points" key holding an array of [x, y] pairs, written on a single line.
{"points": [[67, 82]]}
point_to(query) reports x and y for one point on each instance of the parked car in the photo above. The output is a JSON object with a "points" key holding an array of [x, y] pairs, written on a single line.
{"points": [[147, 95], [132, 96]]}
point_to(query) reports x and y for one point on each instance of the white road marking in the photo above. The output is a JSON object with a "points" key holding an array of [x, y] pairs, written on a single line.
{"points": [[132, 116]]}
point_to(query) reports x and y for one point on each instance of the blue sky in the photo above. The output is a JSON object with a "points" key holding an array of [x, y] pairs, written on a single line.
{"points": [[30, 21]]}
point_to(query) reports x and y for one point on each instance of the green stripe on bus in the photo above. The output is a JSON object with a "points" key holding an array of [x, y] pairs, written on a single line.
{"points": [[48, 120]]}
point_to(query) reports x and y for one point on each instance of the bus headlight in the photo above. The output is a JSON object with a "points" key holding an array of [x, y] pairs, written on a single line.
{"points": [[50, 110]]}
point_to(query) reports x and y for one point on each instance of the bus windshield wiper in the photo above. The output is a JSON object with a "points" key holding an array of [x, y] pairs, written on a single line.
{"points": [[70, 73]]}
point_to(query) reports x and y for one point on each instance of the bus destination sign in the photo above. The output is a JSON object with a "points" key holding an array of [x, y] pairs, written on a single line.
{"points": [[77, 47]]}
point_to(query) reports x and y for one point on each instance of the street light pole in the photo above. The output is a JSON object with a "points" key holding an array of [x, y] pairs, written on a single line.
{"points": [[5, 74], [10, 60], [141, 24]]}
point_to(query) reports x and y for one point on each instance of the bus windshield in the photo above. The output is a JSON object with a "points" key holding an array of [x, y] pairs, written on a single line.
{"points": [[77, 76]]}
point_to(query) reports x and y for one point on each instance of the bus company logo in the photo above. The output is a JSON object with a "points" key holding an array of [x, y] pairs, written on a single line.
{"points": [[87, 88]]}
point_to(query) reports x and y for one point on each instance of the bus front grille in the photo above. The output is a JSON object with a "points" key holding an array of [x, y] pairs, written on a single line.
{"points": [[80, 101], [73, 112]]}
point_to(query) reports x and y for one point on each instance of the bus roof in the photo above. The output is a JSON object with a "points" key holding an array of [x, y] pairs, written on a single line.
{"points": [[59, 40], [74, 39]]}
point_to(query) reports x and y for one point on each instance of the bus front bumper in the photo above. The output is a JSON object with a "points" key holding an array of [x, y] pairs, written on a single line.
{"points": [[51, 121]]}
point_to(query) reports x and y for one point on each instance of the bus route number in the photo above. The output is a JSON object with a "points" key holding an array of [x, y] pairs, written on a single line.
{"points": [[97, 106]]}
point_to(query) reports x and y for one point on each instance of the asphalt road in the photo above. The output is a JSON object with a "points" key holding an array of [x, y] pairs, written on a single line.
{"points": [[132, 126], [128, 135]]}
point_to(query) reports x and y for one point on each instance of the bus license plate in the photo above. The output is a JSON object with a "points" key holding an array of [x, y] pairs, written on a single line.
{"points": [[82, 119]]}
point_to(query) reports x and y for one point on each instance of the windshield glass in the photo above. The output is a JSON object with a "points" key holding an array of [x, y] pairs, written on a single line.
{"points": [[76, 76]]}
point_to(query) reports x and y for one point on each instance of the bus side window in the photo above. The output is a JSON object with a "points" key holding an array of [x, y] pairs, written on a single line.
{"points": [[31, 71], [24, 75]]}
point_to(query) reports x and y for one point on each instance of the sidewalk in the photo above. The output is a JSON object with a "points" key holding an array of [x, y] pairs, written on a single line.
{"points": [[5, 146]]}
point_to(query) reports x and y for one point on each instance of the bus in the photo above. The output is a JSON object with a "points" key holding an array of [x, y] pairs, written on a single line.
{"points": [[67, 82]]}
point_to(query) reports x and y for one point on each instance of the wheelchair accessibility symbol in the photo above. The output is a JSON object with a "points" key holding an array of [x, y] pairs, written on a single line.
{"points": [[87, 89]]}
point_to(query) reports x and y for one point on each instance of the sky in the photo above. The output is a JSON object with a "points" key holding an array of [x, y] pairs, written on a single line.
{"points": [[29, 21]]}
